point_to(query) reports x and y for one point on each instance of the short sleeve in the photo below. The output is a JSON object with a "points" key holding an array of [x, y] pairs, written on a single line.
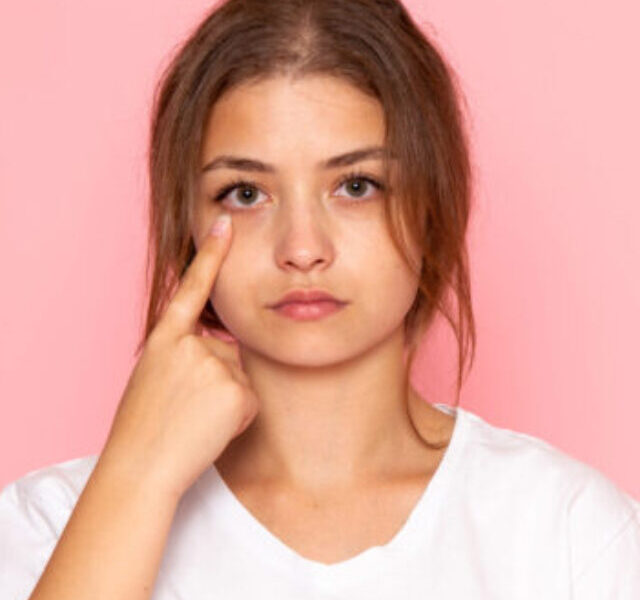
{"points": [[27, 540], [604, 534], [34, 511]]}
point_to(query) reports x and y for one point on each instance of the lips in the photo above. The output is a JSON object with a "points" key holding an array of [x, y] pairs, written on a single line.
{"points": [[308, 295]]}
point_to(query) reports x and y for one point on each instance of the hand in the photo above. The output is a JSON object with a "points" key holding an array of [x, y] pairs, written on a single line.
{"points": [[187, 396]]}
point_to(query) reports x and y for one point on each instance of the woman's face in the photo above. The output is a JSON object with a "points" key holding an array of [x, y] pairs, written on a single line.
{"points": [[300, 224]]}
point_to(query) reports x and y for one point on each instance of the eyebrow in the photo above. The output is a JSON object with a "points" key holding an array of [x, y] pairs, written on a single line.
{"points": [[342, 160]]}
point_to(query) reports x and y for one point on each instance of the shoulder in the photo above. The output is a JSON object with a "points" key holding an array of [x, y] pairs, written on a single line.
{"points": [[43, 498], [34, 510], [66, 477], [558, 495], [537, 466]]}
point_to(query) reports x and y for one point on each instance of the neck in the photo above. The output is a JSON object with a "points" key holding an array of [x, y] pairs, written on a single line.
{"points": [[328, 426]]}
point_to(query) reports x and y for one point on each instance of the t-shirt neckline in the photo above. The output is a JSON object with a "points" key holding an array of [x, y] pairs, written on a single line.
{"points": [[415, 528]]}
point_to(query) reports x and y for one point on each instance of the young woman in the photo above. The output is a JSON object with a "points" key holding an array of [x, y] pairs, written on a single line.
{"points": [[287, 455]]}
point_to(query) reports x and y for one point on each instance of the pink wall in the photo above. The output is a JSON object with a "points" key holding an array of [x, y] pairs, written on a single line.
{"points": [[555, 252]]}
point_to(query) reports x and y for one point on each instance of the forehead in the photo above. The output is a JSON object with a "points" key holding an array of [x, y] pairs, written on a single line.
{"points": [[313, 116]]}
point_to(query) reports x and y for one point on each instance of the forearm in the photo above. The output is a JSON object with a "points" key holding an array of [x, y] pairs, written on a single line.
{"points": [[112, 545]]}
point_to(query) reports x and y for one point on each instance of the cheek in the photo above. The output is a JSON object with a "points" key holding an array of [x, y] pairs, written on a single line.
{"points": [[397, 276], [235, 294], [226, 297], [381, 269], [228, 282], [401, 280]]}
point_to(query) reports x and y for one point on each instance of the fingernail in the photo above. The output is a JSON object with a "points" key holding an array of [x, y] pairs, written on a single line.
{"points": [[221, 224]]}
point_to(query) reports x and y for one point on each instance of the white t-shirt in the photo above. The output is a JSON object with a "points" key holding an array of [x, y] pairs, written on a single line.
{"points": [[505, 516]]}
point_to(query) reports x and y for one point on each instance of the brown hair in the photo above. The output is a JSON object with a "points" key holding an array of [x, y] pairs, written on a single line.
{"points": [[374, 45]]}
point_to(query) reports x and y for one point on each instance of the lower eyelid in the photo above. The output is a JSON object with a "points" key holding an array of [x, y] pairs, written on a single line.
{"points": [[226, 191]]}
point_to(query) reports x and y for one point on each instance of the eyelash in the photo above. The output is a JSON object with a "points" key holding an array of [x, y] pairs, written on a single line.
{"points": [[361, 175]]}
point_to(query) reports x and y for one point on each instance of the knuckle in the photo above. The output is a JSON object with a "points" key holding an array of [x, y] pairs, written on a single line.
{"points": [[190, 346], [213, 364], [232, 392], [236, 400], [218, 347]]}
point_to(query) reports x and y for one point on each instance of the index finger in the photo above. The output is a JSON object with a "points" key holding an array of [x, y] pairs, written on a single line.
{"points": [[183, 310]]}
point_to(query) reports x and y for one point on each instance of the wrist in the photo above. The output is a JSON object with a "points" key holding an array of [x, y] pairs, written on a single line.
{"points": [[137, 473]]}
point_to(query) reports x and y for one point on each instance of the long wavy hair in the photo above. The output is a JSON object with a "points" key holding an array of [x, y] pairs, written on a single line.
{"points": [[372, 44]]}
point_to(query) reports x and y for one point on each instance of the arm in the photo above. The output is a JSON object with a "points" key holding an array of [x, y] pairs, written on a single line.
{"points": [[113, 543], [186, 398]]}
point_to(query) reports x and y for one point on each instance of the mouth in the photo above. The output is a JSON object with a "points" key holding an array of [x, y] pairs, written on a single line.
{"points": [[306, 296], [306, 311]]}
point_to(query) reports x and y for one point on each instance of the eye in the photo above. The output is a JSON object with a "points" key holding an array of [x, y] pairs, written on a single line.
{"points": [[248, 192], [357, 180]]}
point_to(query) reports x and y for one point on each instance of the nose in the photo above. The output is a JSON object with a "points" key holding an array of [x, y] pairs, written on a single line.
{"points": [[304, 238]]}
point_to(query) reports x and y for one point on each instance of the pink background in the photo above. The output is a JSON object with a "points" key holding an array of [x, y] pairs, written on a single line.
{"points": [[555, 249]]}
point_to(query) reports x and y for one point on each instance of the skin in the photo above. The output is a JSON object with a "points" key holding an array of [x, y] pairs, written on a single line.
{"points": [[333, 431]]}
